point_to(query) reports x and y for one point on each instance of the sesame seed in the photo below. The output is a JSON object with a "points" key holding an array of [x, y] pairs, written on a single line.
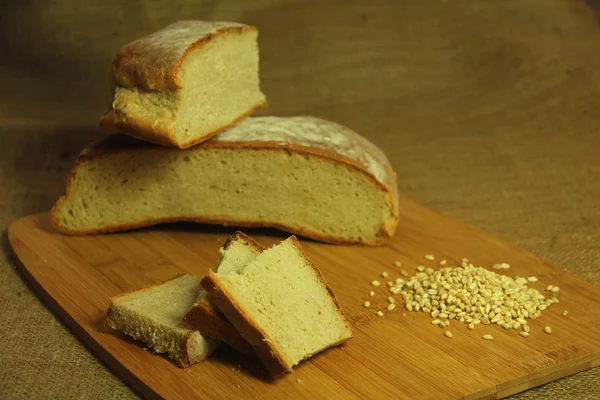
{"points": [[429, 257], [487, 336], [547, 329], [532, 279], [443, 262], [300, 381], [448, 334], [420, 268], [524, 334], [397, 264], [367, 304], [391, 306], [379, 313], [564, 313], [384, 274], [391, 300], [375, 283], [371, 293]]}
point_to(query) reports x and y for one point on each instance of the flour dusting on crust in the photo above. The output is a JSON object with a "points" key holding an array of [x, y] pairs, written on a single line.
{"points": [[312, 132], [152, 61]]}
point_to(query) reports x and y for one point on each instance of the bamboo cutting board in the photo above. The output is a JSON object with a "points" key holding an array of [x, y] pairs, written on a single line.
{"points": [[400, 355]]}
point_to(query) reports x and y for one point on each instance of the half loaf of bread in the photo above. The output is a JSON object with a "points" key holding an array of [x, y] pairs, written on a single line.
{"points": [[280, 303], [154, 315], [185, 83], [303, 175], [237, 251]]}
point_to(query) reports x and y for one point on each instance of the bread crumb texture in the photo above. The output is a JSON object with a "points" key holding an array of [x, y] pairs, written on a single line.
{"points": [[154, 315], [295, 310]]}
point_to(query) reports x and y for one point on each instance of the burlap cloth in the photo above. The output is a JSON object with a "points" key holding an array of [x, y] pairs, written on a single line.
{"points": [[489, 111]]}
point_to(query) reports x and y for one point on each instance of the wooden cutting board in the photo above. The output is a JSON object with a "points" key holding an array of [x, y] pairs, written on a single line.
{"points": [[400, 355]]}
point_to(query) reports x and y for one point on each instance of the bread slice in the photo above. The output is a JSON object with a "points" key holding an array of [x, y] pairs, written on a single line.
{"points": [[281, 304], [237, 251], [303, 175], [185, 83], [154, 315]]}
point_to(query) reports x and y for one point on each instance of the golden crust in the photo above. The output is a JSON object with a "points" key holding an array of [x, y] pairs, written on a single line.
{"points": [[205, 317], [161, 132], [115, 144]]}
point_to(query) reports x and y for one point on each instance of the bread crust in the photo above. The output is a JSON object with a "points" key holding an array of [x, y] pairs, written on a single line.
{"points": [[162, 133], [154, 63], [239, 236], [269, 353], [119, 143], [207, 319]]}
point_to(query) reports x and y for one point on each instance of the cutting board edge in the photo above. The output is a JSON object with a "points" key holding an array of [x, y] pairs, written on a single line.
{"points": [[112, 364]]}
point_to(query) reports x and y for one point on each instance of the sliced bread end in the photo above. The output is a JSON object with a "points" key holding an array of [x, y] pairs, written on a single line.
{"points": [[143, 315], [258, 316]]}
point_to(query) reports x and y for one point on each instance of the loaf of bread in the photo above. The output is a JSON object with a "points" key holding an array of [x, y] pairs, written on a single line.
{"points": [[280, 303], [303, 175], [154, 315], [237, 251], [185, 83]]}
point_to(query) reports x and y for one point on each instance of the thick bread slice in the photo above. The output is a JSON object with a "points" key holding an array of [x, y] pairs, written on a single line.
{"points": [[303, 175], [185, 83], [154, 315], [237, 251], [281, 304]]}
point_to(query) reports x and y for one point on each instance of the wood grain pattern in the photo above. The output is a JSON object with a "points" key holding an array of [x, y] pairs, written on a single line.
{"points": [[400, 355]]}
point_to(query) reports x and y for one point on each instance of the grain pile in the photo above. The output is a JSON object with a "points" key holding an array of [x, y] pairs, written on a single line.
{"points": [[471, 295]]}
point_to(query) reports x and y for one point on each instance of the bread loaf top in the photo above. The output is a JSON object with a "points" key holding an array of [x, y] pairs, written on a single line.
{"points": [[314, 133], [154, 62]]}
